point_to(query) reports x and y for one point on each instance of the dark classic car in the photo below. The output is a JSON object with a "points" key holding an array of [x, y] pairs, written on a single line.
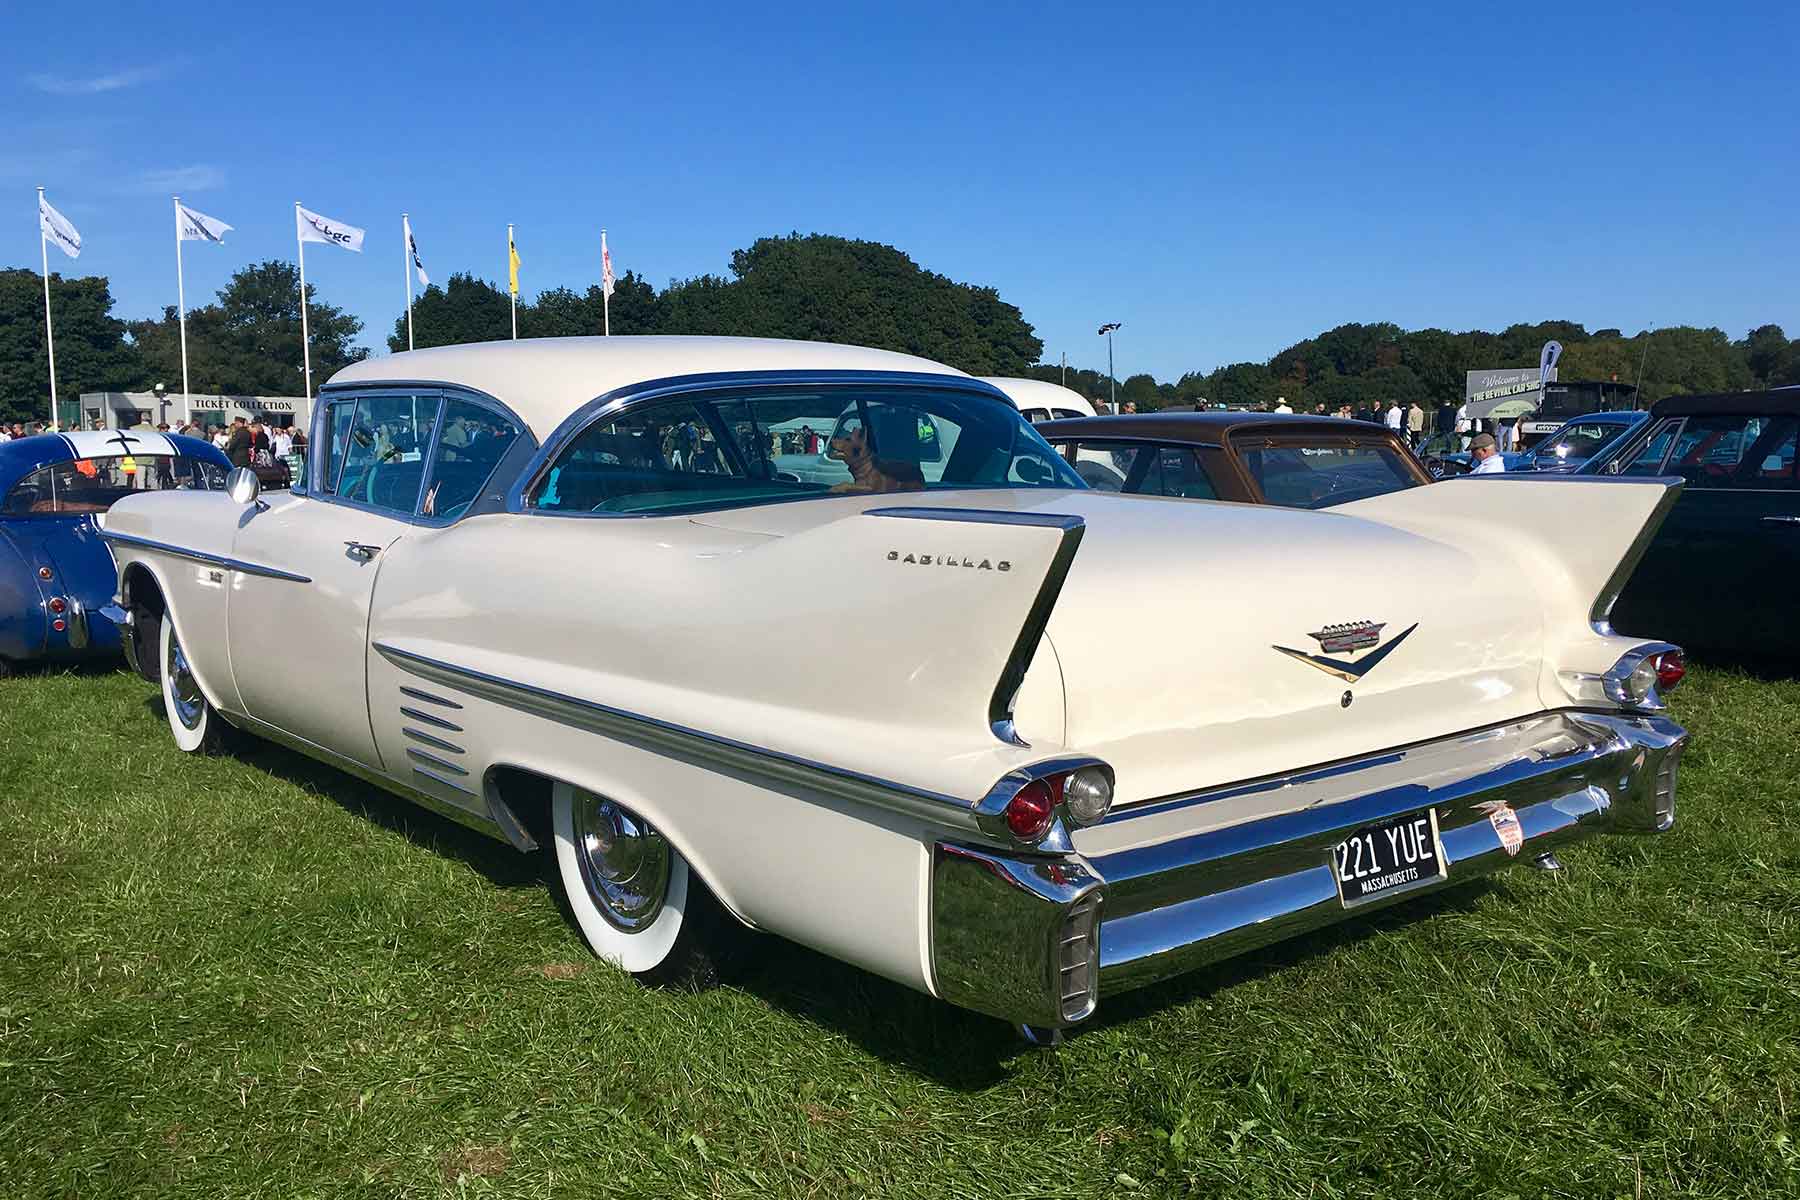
{"points": [[1563, 451], [55, 571], [1724, 570], [1257, 458]]}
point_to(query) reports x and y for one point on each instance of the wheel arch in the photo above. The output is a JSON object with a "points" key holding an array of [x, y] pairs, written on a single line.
{"points": [[143, 584], [519, 797]]}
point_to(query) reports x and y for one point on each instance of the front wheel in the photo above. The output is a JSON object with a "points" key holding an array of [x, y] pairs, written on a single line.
{"points": [[631, 894], [197, 728]]}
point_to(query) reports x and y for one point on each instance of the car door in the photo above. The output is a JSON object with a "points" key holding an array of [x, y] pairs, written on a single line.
{"points": [[299, 646], [1717, 573]]}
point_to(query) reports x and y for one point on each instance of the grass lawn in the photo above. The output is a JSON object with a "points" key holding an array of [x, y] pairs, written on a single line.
{"points": [[254, 976]]}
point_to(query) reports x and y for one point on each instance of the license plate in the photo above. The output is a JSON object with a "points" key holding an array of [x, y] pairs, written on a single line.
{"points": [[1397, 855]]}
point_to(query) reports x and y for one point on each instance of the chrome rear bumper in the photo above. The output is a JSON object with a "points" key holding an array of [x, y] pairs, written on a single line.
{"points": [[1175, 888]]}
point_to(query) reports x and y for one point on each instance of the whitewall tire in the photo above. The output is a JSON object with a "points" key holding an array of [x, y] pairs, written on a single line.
{"points": [[631, 893], [192, 721]]}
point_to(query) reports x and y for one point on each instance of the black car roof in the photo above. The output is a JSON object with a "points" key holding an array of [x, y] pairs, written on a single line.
{"points": [[1775, 403]]}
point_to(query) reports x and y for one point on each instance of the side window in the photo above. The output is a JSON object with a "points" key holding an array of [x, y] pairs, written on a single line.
{"points": [[333, 436], [1648, 459], [1710, 449], [384, 458], [474, 441], [661, 453], [1104, 466], [1176, 472]]}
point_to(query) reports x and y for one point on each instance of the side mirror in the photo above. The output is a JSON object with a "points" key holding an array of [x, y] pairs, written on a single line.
{"points": [[243, 485]]}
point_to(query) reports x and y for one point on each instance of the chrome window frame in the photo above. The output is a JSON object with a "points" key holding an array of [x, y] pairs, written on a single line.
{"points": [[444, 393], [631, 396]]}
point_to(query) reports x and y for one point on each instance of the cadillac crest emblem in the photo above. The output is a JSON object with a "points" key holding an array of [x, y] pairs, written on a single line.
{"points": [[1350, 639]]}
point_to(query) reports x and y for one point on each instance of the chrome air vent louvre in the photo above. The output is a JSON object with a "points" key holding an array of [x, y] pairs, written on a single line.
{"points": [[1078, 959], [433, 764], [1665, 788]]}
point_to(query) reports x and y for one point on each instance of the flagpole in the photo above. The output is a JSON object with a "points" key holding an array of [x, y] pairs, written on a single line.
{"points": [[305, 337], [605, 294], [406, 268], [513, 276], [181, 305], [49, 329]]}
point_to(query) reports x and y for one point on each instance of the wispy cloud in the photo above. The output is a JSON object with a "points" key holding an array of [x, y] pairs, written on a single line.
{"points": [[197, 178], [93, 85], [49, 167]]}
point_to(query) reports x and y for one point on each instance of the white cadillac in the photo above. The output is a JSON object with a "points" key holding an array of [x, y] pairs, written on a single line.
{"points": [[926, 705]]}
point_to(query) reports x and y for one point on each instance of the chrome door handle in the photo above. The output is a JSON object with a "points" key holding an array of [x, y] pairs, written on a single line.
{"points": [[1783, 520], [361, 551]]}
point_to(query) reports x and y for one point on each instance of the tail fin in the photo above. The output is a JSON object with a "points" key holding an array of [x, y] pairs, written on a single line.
{"points": [[1579, 536]]}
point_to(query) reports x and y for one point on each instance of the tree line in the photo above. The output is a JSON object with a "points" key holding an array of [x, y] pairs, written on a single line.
{"points": [[1367, 365], [815, 288]]}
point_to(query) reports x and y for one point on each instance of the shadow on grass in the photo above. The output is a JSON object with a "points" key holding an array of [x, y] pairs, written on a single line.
{"points": [[968, 1052], [499, 863]]}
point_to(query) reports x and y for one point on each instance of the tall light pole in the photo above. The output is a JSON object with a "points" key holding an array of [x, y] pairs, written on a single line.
{"points": [[1112, 382]]}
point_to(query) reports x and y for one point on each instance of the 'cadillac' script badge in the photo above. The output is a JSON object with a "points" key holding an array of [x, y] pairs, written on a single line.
{"points": [[1350, 638]]}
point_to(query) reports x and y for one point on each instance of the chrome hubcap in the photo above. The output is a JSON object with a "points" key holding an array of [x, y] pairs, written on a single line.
{"points": [[189, 704], [624, 861]]}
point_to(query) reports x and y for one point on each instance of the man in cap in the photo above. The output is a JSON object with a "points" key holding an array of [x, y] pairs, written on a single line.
{"points": [[1486, 456]]}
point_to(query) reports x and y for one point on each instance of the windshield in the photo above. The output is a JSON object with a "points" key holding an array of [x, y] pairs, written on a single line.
{"points": [[728, 449], [1580, 439], [93, 485]]}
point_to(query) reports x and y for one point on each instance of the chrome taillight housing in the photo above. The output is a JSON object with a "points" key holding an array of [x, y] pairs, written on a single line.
{"points": [[1636, 682], [1035, 805]]}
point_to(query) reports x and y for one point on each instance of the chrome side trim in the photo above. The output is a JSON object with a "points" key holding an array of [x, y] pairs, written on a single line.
{"points": [[1599, 615], [426, 717], [420, 736], [427, 697], [217, 560], [1018, 662], [433, 761], [666, 735], [423, 773]]}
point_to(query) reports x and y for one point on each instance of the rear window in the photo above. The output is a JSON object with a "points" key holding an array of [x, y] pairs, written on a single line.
{"points": [[721, 450], [93, 485], [1321, 476]]}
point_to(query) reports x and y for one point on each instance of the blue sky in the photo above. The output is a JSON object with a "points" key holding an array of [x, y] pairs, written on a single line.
{"points": [[1224, 180]]}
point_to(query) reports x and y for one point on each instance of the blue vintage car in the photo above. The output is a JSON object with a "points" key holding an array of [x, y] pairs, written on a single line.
{"points": [[55, 571]]}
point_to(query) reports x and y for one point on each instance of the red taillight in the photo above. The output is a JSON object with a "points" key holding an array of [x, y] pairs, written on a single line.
{"points": [[1671, 669], [56, 604], [59, 625], [43, 572], [1028, 812]]}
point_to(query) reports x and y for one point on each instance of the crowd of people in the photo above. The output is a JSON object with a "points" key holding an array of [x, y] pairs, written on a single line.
{"points": [[246, 441]]}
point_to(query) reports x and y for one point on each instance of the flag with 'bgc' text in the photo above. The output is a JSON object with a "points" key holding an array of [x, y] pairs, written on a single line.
{"points": [[314, 228]]}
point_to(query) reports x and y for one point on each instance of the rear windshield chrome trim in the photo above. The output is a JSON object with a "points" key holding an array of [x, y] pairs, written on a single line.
{"points": [[201, 556]]}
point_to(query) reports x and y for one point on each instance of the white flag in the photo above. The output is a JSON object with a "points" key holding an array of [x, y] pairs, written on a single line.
{"points": [[198, 227], [412, 248], [57, 230], [606, 274], [314, 228]]}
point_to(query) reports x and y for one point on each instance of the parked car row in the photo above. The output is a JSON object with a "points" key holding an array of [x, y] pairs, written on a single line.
{"points": [[1000, 784]]}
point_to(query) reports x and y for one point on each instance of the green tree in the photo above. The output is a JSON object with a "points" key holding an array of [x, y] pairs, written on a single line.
{"points": [[465, 309], [833, 289], [1772, 359], [91, 352], [247, 342]]}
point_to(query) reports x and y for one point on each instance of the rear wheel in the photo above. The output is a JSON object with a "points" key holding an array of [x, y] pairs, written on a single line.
{"points": [[196, 727], [632, 895]]}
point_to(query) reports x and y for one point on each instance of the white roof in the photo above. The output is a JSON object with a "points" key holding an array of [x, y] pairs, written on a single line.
{"points": [[545, 379], [110, 443], [1037, 393]]}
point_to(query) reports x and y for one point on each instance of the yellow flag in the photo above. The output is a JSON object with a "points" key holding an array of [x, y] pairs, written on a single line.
{"points": [[512, 255]]}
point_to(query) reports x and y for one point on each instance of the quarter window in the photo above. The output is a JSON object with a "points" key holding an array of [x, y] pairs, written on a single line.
{"points": [[93, 485], [1649, 457]]}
